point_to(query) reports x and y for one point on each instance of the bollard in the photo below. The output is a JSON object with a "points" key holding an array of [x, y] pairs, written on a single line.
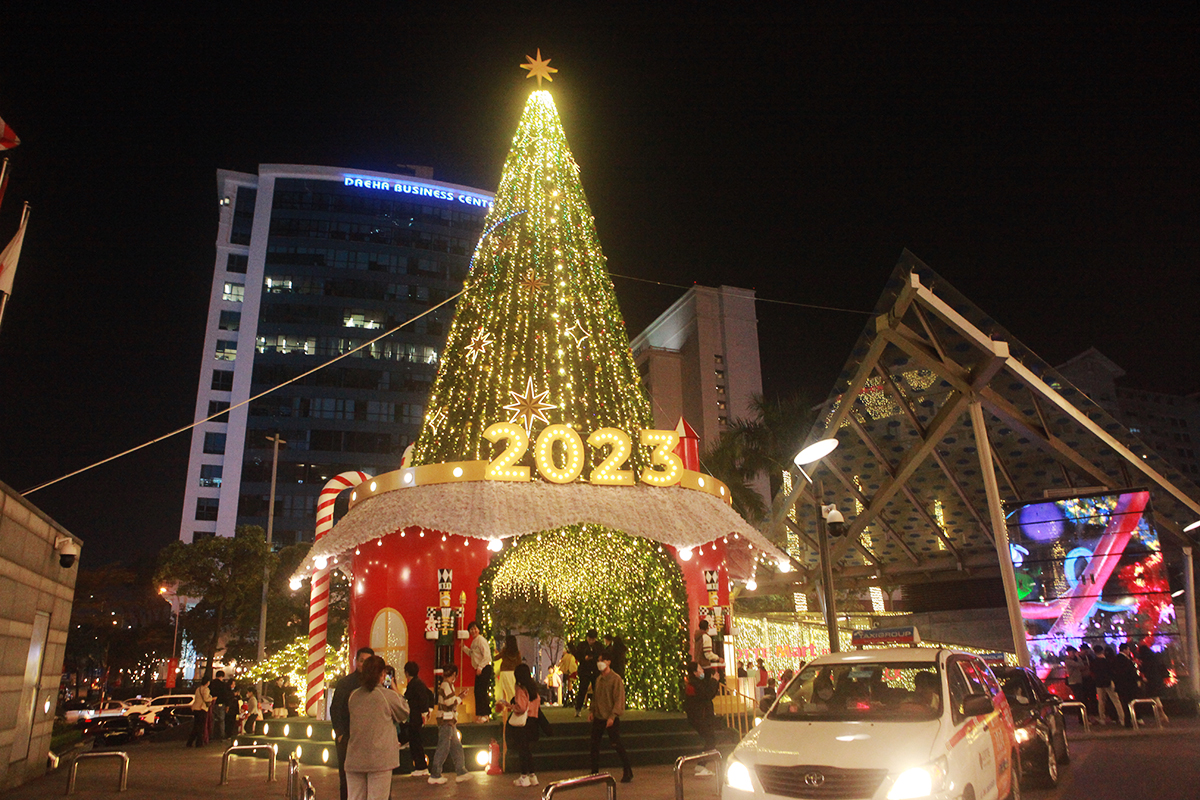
{"points": [[1083, 714], [1155, 705], [106, 754], [568, 784], [708, 755], [248, 748], [293, 777], [309, 792]]}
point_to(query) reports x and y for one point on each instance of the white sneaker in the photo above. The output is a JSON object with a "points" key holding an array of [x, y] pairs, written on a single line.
{"points": [[466, 776], [532, 779], [482, 720], [703, 771], [522, 781], [420, 773], [438, 779]]}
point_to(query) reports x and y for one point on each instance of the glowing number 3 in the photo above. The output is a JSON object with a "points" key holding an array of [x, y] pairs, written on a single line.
{"points": [[502, 467], [671, 465], [609, 472]]}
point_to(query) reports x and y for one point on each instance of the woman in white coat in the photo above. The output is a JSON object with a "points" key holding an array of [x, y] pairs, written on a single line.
{"points": [[372, 750]]}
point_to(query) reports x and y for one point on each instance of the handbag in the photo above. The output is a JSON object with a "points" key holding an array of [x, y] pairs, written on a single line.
{"points": [[516, 720]]}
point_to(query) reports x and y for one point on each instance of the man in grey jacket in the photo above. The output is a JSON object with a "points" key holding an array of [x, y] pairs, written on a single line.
{"points": [[339, 711]]}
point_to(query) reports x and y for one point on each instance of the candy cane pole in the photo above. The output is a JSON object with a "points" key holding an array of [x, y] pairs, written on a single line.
{"points": [[318, 603]]}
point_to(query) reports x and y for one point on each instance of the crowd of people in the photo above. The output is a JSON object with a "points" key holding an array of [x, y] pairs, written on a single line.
{"points": [[1103, 678], [220, 710]]}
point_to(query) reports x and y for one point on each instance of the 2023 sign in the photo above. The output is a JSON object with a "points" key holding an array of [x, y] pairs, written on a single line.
{"points": [[666, 467]]}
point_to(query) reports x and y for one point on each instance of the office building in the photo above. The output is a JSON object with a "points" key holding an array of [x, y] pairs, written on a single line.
{"points": [[311, 263], [699, 360]]}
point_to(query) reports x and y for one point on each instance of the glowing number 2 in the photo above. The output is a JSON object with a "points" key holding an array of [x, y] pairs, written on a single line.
{"points": [[501, 468], [609, 472], [671, 465], [544, 454]]}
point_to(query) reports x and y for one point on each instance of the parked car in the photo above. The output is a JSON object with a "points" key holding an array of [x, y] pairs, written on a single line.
{"points": [[896, 723], [114, 730], [1038, 720], [154, 714], [109, 708]]}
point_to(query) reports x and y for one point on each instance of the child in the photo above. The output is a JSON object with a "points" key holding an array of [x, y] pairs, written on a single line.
{"points": [[447, 719]]}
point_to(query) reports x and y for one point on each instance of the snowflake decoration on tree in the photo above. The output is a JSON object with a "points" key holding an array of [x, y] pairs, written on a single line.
{"points": [[480, 342], [529, 406]]}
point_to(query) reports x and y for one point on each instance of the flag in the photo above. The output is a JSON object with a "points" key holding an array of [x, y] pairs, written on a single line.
{"points": [[8, 137], [11, 254]]}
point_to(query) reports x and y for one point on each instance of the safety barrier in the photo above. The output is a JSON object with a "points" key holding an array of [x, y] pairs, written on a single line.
{"points": [[1159, 714], [248, 748], [699, 758], [568, 784], [1083, 713], [738, 710], [105, 754]]}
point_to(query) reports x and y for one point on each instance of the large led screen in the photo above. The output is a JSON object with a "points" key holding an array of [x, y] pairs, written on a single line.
{"points": [[1090, 569]]}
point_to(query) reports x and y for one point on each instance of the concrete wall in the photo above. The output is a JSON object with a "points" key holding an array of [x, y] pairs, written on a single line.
{"points": [[35, 615]]}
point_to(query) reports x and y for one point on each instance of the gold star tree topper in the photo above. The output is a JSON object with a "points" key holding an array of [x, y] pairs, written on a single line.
{"points": [[529, 406], [538, 68]]}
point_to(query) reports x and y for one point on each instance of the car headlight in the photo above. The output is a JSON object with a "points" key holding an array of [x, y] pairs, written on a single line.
{"points": [[737, 776], [919, 781], [1024, 735]]}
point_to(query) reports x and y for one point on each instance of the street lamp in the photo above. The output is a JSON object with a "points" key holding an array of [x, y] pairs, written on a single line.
{"points": [[826, 516]]}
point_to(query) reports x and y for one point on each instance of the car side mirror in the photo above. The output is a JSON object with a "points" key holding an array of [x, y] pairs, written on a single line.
{"points": [[976, 705]]}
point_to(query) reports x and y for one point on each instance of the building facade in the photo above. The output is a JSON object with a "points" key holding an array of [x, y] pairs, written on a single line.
{"points": [[1165, 422], [37, 588], [699, 360], [311, 263]]}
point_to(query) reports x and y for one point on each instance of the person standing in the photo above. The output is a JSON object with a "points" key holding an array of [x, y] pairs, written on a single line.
{"points": [[371, 752], [201, 701], [480, 653], [620, 654], [1125, 677], [764, 679], [339, 712], [608, 704], [1102, 672], [698, 697], [586, 653], [1089, 678], [252, 712], [448, 742], [1074, 665], [510, 657], [419, 700], [522, 727]]}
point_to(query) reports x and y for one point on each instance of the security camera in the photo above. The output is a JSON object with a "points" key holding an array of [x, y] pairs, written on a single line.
{"points": [[67, 551]]}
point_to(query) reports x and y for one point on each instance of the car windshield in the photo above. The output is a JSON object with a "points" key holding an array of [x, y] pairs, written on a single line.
{"points": [[1016, 686], [892, 691]]}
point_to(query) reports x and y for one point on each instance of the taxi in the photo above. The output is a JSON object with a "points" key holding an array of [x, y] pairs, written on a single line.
{"points": [[884, 724]]}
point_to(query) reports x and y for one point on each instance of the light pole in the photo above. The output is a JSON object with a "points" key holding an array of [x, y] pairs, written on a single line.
{"points": [[826, 515], [262, 613]]}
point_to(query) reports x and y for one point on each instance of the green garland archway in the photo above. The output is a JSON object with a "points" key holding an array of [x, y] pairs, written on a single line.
{"points": [[604, 579]]}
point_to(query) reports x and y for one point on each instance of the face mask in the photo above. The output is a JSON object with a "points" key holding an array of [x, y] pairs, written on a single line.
{"points": [[602, 665]]}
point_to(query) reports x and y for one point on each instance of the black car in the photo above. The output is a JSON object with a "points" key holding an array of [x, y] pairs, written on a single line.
{"points": [[1038, 720], [114, 730]]}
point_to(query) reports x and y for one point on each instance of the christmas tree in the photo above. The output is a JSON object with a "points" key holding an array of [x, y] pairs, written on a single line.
{"points": [[537, 336]]}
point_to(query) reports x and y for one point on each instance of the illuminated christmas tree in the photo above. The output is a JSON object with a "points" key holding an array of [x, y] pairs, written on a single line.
{"points": [[537, 336]]}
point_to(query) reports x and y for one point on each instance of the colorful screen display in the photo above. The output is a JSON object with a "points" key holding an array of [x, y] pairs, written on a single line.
{"points": [[1090, 569]]}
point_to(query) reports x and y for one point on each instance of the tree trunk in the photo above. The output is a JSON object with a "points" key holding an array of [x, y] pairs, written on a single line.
{"points": [[216, 639]]}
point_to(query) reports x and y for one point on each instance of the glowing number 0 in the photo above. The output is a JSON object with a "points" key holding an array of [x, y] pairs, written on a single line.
{"points": [[671, 465], [609, 472], [501, 468], [544, 454]]}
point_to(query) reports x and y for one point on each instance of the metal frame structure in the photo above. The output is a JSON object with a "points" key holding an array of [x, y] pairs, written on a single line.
{"points": [[570, 784], [249, 748], [944, 418], [124, 772], [699, 758]]}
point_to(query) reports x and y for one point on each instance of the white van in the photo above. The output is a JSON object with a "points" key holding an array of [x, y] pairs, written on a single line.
{"points": [[894, 724]]}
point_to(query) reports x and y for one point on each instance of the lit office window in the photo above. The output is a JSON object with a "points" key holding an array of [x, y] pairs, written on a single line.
{"points": [[210, 475], [234, 292], [226, 350]]}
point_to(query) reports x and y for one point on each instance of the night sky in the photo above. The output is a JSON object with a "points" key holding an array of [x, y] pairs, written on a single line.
{"points": [[1046, 166]]}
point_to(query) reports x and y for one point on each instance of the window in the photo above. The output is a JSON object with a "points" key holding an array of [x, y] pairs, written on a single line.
{"points": [[216, 407], [230, 320], [234, 292], [206, 508], [379, 411], [411, 413], [236, 263], [358, 318], [720, 374], [226, 350], [720, 389], [721, 405], [722, 421], [718, 360], [210, 475], [222, 380], [243, 215], [214, 444]]}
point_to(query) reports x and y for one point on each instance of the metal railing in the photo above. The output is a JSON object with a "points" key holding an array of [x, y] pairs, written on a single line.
{"points": [[1154, 703], [1083, 713], [105, 754], [699, 758], [293, 777], [309, 793], [248, 748], [567, 784], [736, 709]]}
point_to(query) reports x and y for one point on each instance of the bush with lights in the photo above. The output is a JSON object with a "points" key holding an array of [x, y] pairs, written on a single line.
{"points": [[604, 579]]}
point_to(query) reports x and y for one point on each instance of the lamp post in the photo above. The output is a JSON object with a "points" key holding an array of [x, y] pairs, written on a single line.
{"points": [[826, 515], [168, 594], [262, 614]]}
